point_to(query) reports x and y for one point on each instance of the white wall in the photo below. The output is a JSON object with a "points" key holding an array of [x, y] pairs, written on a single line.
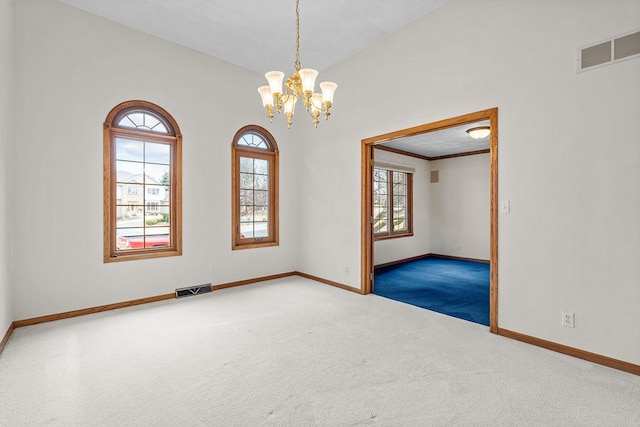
{"points": [[406, 247], [569, 158], [460, 207], [6, 70], [69, 72]]}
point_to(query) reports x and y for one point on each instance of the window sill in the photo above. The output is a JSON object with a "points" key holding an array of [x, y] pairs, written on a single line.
{"points": [[146, 255], [391, 236], [254, 245]]}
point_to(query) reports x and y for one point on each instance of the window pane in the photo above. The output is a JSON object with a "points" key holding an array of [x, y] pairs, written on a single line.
{"points": [[130, 216], [246, 181], [253, 140], [261, 166], [157, 237], [261, 198], [132, 120], [157, 215], [261, 182], [156, 193], [379, 219], [246, 164], [157, 153], [143, 121], [156, 174], [399, 177], [399, 224], [246, 230], [150, 121], [129, 238], [260, 213], [261, 229], [129, 149], [160, 128], [246, 213], [379, 175], [246, 197], [129, 172]]}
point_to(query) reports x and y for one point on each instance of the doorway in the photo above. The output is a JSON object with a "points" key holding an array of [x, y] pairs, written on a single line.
{"points": [[367, 200]]}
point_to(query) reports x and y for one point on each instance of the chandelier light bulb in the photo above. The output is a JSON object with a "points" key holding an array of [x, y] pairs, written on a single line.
{"points": [[308, 76], [328, 90], [266, 95], [275, 81], [316, 103], [290, 105]]}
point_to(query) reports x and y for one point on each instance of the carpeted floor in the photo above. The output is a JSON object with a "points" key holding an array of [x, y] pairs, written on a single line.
{"points": [[293, 352], [453, 287]]}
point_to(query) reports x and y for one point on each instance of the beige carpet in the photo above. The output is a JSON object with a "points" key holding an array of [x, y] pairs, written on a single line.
{"points": [[294, 352]]}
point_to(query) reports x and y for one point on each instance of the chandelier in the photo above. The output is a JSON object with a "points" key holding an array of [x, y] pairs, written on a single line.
{"points": [[299, 86]]}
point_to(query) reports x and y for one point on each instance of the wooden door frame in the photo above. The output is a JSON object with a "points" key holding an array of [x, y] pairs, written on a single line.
{"points": [[367, 206]]}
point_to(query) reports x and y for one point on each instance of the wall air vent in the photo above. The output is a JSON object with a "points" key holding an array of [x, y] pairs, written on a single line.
{"points": [[435, 177], [193, 290], [622, 47]]}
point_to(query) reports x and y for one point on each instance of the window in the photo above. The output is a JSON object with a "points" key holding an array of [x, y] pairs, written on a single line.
{"points": [[142, 183], [255, 188], [392, 203]]}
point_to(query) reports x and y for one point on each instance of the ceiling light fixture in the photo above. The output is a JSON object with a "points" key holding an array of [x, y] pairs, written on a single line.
{"points": [[300, 85], [479, 132]]}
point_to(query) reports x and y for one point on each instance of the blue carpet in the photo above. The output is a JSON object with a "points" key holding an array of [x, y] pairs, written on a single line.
{"points": [[453, 287]]}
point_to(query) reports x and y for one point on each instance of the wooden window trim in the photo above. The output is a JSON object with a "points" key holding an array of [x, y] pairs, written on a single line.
{"points": [[402, 233], [272, 155], [174, 139]]}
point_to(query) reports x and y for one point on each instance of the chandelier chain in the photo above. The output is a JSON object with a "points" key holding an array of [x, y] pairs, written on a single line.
{"points": [[297, 63]]}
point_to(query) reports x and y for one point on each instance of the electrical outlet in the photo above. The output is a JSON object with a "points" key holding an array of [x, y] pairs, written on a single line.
{"points": [[568, 319], [213, 271], [346, 271]]}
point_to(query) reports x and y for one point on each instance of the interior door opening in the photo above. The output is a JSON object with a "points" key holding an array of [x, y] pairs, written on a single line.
{"points": [[415, 142]]}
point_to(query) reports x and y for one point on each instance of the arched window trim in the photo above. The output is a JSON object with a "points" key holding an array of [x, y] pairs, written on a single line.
{"points": [[174, 140], [270, 154]]}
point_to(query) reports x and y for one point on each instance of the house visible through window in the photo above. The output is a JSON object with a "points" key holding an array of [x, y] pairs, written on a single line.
{"points": [[142, 146], [255, 188], [392, 202]]}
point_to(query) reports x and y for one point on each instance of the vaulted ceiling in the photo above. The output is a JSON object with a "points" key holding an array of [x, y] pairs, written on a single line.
{"points": [[260, 36]]}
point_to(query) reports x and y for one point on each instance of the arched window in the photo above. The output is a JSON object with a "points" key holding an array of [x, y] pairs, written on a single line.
{"points": [[142, 183], [255, 188]]}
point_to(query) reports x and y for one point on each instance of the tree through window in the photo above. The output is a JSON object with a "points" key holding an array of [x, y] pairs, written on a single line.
{"points": [[392, 203], [255, 188]]}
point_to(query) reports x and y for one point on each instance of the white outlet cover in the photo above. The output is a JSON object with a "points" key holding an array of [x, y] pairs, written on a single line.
{"points": [[568, 319], [505, 206]]}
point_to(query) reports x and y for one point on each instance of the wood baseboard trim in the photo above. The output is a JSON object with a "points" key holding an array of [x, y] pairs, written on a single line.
{"points": [[7, 336], [429, 255], [115, 306], [401, 261], [329, 282], [91, 310], [572, 351], [251, 281], [459, 258]]}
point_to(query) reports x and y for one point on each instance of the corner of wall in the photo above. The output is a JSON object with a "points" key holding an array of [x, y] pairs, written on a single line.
{"points": [[6, 136]]}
